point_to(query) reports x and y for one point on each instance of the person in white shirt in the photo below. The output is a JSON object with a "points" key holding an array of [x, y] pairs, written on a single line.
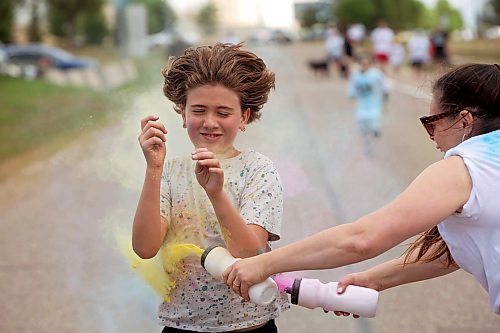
{"points": [[334, 45], [419, 51], [452, 204], [398, 55], [215, 196], [382, 38]]}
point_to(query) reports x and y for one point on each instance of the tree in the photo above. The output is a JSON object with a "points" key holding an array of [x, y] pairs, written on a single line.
{"points": [[312, 13], [170, 17], [6, 21], [402, 15], [161, 16], [207, 18], [308, 18], [354, 11], [448, 17], [93, 27], [491, 13], [34, 34], [399, 14], [64, 15]]}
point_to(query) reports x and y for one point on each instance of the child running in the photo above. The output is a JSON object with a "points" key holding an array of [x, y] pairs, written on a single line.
{"points": [[217, 196], [368, 87]]}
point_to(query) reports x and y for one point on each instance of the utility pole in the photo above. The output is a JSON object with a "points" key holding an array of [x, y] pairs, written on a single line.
{"points": [[121, 29]]}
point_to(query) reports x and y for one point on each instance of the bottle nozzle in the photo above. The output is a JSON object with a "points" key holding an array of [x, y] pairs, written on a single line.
{"points": [[294, 291]]}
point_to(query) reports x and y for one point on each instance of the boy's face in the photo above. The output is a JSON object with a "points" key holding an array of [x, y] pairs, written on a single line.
{"points": [[365, 64], [213, 117]]}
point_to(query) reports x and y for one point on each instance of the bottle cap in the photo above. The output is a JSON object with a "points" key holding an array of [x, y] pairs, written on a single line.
{"points": [[205, 254], [294, 291]]}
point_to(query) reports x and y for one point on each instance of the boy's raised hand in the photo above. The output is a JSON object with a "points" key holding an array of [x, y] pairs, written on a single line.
{"points": [[153, 141], [208, 171]]}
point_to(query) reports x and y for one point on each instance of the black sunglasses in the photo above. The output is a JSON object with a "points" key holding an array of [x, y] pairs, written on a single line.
{"points": [[428, 121]]}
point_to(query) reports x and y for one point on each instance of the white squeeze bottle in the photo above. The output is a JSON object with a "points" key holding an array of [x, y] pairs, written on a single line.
{"points": [[216, 259], [311, 293]]}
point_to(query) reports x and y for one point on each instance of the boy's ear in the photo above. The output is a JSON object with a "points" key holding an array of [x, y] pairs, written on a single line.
{"points": [[183, 114], [245, 115]]}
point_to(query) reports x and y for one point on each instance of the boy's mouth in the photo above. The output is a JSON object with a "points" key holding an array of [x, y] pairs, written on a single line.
{"points": [[211, 136]]}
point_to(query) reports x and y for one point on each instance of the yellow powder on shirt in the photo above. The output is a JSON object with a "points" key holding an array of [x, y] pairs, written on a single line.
{"points": [[161, 271]]}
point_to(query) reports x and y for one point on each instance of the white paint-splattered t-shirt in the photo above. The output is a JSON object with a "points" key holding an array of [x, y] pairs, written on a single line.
{"points": [[199, 302]]}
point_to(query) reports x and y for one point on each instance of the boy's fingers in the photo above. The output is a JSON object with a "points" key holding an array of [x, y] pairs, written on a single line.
{"points": [[153, 141], [155, 132], [202, 154], [154, 124], [210, 162], [145, 120], [152, 132], [217, 171], [199, 150]]}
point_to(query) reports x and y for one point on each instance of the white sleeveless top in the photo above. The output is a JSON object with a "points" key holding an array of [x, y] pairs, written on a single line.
{"points": [[473, 236]]}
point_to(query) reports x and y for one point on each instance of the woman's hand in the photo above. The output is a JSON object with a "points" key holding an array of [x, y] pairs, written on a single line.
{"points": [[153, 141], [208, 171], [356, 279], [244, 273]]}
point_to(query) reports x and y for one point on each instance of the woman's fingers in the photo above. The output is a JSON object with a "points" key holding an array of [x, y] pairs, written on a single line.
{"points": [[345, 282], [344, 314], [231, 280], [244, 291]]}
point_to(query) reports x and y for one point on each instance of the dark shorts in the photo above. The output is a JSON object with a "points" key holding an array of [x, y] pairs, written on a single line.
{"points": [[269, 327], [418, 64]]}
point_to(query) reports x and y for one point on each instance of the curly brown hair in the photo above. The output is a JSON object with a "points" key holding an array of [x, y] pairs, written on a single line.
{"points": [[226, 64]]}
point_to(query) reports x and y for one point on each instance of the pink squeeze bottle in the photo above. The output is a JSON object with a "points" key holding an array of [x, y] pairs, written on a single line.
{"points": [[311, 293]]}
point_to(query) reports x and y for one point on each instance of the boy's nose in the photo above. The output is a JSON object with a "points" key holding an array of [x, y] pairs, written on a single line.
{"points": [[210, 121]]}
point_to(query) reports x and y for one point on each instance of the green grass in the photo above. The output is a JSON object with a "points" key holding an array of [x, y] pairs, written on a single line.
{"points": [[36, 113]]}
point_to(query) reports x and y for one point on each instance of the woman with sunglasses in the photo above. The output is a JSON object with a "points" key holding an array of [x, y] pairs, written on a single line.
{"points": [[453, 204]]}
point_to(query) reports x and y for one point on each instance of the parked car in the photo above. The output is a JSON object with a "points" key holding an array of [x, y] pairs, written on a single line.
{"points": [[270, 36], [35, 58]]}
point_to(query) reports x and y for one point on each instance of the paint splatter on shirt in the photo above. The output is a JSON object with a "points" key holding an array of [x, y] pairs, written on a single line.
{"points": [[198, 302]]}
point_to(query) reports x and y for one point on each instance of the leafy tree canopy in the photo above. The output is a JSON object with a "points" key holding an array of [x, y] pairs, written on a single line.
{"points": [[399, 14], [207, 18]]}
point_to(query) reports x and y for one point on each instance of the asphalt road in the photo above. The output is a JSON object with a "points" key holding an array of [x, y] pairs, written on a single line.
{"points": [[61, 271]]}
